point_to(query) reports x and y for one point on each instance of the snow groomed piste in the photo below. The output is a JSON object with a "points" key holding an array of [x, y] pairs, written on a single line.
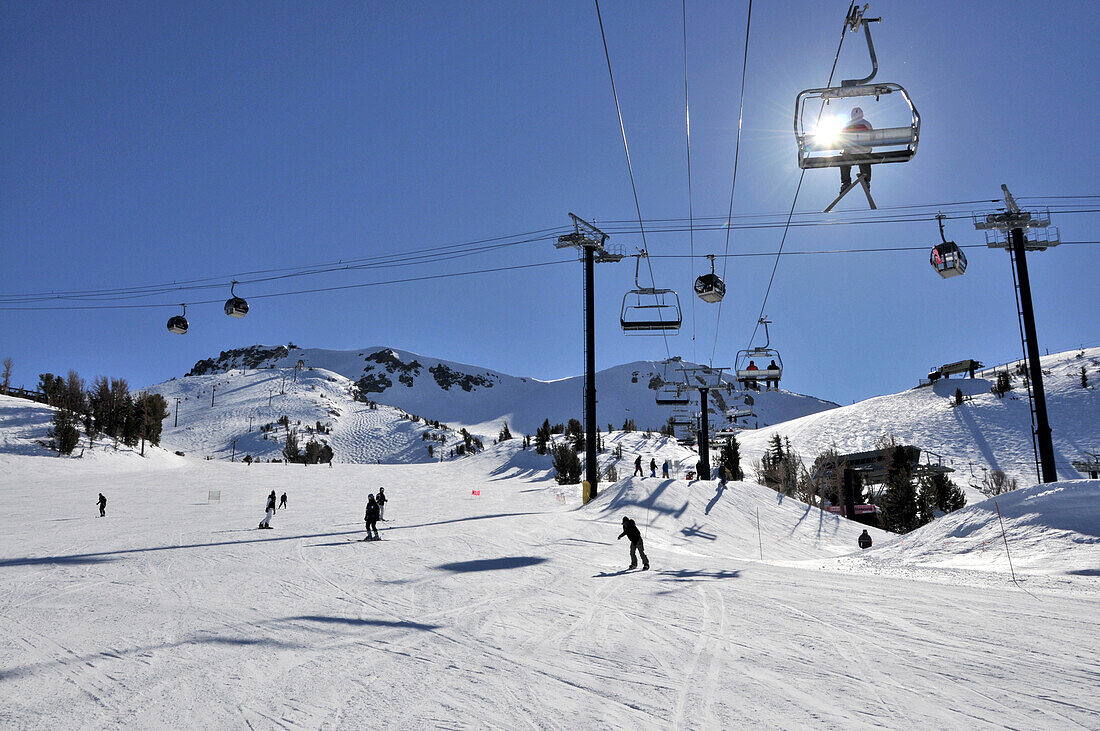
{"points": [[511, 608]]}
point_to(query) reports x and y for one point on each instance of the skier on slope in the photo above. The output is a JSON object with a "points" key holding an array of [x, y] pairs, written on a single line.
{"points": [[266, 522], [282, 501], [382, 503], [652, 467], [865, 539], [630, 530], [664, 470], [638, 467], [102, 502], [371, 519]]}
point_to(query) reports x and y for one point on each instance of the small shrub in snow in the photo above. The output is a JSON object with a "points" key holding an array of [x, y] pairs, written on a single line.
{"points": [[997, 482]]}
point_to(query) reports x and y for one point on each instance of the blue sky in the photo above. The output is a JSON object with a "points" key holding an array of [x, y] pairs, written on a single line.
{"points": [[146, 143]]}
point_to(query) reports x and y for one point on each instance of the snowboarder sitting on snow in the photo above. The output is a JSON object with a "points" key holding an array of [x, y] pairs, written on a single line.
{"points": [[371, 519], [630, 530], [102, 502], [381, 503], [266, 522], [282, 501], [864, 539], [638, 467]]}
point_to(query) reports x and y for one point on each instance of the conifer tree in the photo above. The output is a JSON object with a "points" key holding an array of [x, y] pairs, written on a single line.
{"points": [[290, 451], [900, 500], [64, 432]]}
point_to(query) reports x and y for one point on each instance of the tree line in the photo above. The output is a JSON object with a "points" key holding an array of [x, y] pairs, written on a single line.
{"points": [[106, 408]]}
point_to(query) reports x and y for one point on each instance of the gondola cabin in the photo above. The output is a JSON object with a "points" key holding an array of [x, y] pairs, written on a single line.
{"points": [[236, 307], [710, 288], [177, 324], [947, 259]]}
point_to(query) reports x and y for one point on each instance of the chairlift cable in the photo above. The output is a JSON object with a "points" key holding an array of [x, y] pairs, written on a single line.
{"points": [[733, 184], [626, 150], [687, 126], [801, 177]]}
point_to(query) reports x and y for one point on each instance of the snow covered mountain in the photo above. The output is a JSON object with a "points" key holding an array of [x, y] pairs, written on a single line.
{"points": [[981, 434], [264, 383]]}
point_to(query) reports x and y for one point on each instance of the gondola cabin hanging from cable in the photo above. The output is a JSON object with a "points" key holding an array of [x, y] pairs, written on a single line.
{"points": [[649, 310], [947, 258], [858, 123], [235, 306], [710, 287], [178, 323]]}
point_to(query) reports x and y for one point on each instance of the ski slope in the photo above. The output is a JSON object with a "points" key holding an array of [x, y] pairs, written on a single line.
{"points": [[511, 608], [984, 433]]}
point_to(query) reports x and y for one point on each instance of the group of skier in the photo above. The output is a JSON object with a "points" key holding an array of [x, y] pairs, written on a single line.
{"points": [[652, 468], [375, 512]]}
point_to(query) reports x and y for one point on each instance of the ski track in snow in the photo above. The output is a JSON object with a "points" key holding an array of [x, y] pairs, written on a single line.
{"points": [[509, 610]]}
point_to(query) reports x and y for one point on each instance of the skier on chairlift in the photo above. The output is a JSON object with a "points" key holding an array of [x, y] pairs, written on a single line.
{"points": [[857, 124]]}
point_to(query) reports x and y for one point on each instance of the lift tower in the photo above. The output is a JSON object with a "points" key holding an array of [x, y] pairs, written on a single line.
{"points": [[590, 241], [1007, 231], [703, 379]]}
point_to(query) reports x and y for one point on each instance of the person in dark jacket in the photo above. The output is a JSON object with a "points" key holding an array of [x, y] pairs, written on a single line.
{"points": [[638, 467], [865, 539], [381, 503], [371, 519], [652, 467], [282, 501], [102, 502], [664, 469], [630, 530], [266, 522]]}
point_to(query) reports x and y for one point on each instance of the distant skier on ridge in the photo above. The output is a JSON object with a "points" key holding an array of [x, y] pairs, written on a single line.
{"points": [[630, 530]]}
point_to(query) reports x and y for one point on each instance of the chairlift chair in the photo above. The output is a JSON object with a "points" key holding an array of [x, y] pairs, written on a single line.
{"points": [[671, 394], [749, 377], [649, 310], [824, 144], [710, 287], [947, 258], [178, 323], [235, 306]]}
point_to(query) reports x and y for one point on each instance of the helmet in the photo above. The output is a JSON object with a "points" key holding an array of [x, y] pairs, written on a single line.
{"points": [[370, 497], [857, 113]]}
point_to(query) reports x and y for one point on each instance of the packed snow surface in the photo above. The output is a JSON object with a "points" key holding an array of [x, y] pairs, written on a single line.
{"points": [[511, 608]]}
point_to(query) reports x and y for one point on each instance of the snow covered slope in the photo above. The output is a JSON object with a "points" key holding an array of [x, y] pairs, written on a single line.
{"points": [[984, 433], [247, 406], [504, 609], [482, 400]]}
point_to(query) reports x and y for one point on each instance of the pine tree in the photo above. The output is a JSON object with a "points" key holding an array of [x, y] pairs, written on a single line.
{"points": [[505, 434], [567, 465], [290, 451], [313, 452], [542, 437], [64, 432], [729, 459], [574, 431], [899, 503], [1084, 377], [958, 397]]}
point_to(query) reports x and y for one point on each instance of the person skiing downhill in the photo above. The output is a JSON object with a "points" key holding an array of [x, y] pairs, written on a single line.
{"points": [[266, 522], [638, 467], [371, 519], [102, 503], [282, 501], [630, 530], [381, 503]]}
